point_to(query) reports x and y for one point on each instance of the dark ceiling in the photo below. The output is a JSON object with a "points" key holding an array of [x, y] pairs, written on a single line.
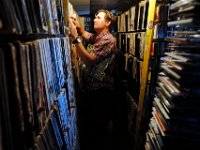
{"points": [[89, 7], [102, 4]]}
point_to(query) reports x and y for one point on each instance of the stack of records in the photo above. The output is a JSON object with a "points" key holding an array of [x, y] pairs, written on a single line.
{"points": [[176, 108], [185, 12], [26, 16]]}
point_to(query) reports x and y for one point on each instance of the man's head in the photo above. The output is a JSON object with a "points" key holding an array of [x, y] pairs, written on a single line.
{"points": [[103, 19]]}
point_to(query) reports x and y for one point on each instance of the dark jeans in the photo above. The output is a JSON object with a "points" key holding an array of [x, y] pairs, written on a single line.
{"points": [[98, 114]]}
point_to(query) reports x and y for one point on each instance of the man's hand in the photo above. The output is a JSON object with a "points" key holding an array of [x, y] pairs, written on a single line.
{"points": [[73, 30], [79, 28], [75, 22]]}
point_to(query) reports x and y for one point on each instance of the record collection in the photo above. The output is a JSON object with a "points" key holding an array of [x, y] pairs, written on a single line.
{"points": [[176, 108], [131, 37], [37, 93], [131, 41]]}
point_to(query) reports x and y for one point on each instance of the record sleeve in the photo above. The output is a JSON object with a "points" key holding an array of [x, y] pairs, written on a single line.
{"points": [[163, 97], [9, 22], [183, 3], [152, 141], [24, 84], [159, 121], [186, 12], [183, 77], [26, 18], [171, 86], [180, 65], [192, 22], [184, 56], [4, 102], [161, 108], [184, 48]]}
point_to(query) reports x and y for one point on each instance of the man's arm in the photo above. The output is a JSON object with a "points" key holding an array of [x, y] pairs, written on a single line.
{"points": [[81, 31], [85, 55]]}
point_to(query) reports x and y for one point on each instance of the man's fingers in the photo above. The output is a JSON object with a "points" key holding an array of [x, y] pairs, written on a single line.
{"points": [[73, 20]]}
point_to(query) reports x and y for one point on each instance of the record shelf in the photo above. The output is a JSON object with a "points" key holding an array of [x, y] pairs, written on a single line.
{"points": [[135, 33], [175, 111], [142, 41], [37, 90]]}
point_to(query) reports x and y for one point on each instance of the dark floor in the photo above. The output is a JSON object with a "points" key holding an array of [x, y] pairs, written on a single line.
{"points": [[103, 122]]}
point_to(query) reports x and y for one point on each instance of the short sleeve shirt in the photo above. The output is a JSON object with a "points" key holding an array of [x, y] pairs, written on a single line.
{"points": [[103, 47]]}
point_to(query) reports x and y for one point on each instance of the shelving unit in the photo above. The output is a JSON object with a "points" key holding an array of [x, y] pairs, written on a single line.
{"points": [[135, 29], [146, 49], [37, 95], [175, 120], [140, 122]]}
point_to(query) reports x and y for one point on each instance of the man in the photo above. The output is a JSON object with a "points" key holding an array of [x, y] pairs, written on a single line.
{"points": [[95, 104]]}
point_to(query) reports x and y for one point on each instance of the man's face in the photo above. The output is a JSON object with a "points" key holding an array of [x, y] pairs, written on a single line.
{"points": [[99, 21]]}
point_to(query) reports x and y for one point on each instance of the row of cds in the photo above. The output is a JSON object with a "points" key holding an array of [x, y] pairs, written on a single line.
{"points": [[38, 16], [56, 134], [33, 75], [176, 108], [132, 43], [132, 47], [135, 18]]}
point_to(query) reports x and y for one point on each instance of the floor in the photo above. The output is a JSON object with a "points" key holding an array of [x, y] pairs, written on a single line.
{"points": [[98, 131], [103, 119]]}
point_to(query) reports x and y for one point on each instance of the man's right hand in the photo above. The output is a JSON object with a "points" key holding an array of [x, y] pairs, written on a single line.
{"points": [[75, 22], [73, 30]]}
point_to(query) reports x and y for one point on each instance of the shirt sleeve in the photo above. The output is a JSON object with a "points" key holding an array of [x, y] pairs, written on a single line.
{"points": [[91, 38]]}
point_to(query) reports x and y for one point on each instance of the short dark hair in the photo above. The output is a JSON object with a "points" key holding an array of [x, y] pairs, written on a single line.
{"points": [[108, 16]]}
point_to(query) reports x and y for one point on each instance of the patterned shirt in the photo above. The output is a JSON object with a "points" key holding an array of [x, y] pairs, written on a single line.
{"points": [[103, 48]]}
